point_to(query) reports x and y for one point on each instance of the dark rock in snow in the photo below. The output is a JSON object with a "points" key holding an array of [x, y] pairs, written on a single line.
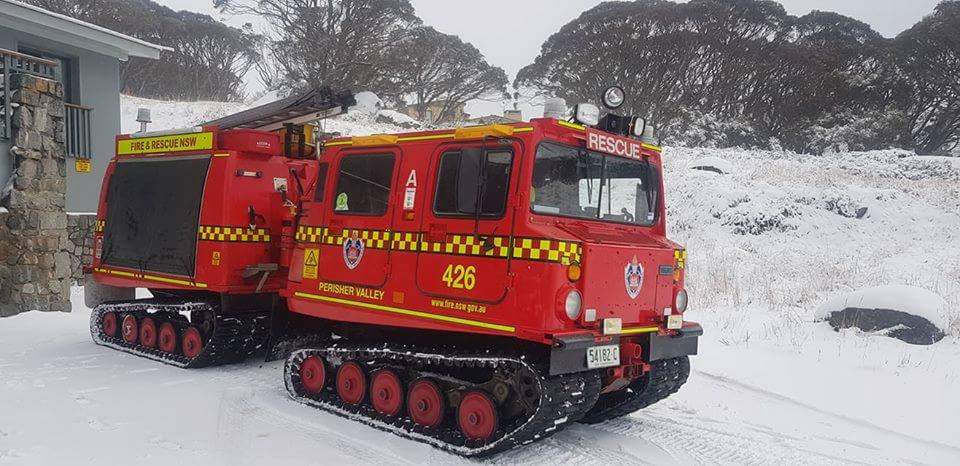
{"points": [[905, 327]]}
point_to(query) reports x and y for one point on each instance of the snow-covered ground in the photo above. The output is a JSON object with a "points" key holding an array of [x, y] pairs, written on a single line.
{"points": [[840, 399], [769, 243]]}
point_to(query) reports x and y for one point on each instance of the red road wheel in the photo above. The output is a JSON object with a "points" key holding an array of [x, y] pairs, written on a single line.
{"points": [[191, 342], [477, 416], [167, 339], [313, 375], [386, 392], [148, 332], [425, 403], [129, 329], [108, 324], [351, 383]]}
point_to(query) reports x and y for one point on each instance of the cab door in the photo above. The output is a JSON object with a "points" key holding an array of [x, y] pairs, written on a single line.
{"points": [[355, 245], [468, 223]]}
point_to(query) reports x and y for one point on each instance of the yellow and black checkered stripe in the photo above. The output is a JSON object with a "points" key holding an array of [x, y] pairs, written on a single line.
{"points": [[536, 249], [374, 239], [100, 226], [233, 234]]}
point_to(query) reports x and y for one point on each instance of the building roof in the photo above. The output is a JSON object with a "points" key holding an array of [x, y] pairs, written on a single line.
{"points": [[37, 21]]}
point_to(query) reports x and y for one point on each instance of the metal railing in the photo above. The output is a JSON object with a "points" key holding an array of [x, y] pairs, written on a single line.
{"points": [[77, 127], [10, 63]]}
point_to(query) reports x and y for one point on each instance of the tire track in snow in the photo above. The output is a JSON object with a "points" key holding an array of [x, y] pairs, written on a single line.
{"points": [[713, 445], [241, 410], [581, 444], [844, 418]]}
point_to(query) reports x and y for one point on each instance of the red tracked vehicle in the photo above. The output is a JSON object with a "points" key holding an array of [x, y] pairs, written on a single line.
{"points": [[486, 286]]}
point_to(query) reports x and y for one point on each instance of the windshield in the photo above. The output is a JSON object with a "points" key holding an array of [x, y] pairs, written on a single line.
{"points": [[578, 183]]}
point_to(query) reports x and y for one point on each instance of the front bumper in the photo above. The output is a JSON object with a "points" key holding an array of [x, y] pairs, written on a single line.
{"points": [[684, 343], [569, 352]]}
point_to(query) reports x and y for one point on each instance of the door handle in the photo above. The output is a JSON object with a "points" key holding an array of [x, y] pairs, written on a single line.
{"points": [[335, 228]]}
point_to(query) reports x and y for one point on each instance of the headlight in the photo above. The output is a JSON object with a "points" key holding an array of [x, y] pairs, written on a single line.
{"points": [[572, 304], [680, 303], [587, 114], [639, 125], [614, 97]]}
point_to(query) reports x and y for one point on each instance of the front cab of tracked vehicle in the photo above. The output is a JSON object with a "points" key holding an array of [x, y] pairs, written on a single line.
{"points": [[547, 232]]}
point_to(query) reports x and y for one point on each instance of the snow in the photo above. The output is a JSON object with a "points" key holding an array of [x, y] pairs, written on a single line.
{"points": [[772, 243], [171, 114], [65, 400], [367, 102], [909, 299], [363, 118]]}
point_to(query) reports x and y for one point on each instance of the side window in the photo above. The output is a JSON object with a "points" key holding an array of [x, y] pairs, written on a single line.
{"points": [[363, 184], [459, 181], [321, 182]]}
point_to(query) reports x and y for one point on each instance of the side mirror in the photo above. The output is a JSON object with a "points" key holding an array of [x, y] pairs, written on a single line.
{"points": [[468, 180]]}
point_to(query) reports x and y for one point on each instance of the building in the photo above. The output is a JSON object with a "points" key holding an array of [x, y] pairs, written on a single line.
{"points": [[86, 59], [59, 114], [509, 116], [432, 114]]}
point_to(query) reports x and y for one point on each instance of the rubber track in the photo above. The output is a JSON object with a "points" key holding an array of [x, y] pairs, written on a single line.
{"points": [[665, 378], [563, 399], [235, 337]]}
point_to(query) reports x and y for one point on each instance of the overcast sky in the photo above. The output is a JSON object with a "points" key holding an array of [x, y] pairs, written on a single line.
{"points": [[510, 32]]}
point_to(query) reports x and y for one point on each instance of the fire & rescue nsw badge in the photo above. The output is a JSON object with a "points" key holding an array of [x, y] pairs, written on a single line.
{"points": [[633, 278], [353, 251]]}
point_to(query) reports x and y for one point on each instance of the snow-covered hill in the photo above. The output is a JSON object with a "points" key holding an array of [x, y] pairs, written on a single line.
{"points": [[364, 118], [769, 242]]}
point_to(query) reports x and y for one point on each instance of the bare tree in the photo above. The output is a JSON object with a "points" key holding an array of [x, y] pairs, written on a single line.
{"points": [[345, 44], [929, 57], [440, 70], [208, 61], [744, 63]]}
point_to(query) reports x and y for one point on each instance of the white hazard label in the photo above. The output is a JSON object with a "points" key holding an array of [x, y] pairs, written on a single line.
{"points": [[409, 198], [410, 195]]}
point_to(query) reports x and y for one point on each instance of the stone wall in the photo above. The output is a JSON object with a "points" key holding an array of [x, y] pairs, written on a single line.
{"points": [[80, 229], [35, 268]]}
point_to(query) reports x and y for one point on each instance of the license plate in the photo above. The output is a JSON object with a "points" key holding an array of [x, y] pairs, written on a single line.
{"points": [[603, 356]]}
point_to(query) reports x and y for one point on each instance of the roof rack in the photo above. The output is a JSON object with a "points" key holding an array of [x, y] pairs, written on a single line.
{"points": [[301, 108]]}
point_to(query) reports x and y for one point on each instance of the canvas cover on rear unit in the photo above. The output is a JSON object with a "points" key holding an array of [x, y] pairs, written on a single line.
{"points": [[153, 214]]}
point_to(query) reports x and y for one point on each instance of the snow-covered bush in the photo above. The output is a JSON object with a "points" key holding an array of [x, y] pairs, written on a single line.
{"points": [[859, 132], [782, 232], [695, 129], [912, 314]]}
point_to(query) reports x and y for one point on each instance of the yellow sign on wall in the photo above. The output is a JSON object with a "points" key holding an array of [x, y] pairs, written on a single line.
{"points": [[83, 165], [166, 144]]}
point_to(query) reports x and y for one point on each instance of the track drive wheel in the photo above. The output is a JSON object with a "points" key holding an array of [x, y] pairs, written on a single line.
{"points": [[167, 338], [129, 329], [351, 383], [425, 403], [477, 416], [148, 332], [386, 392], [313, 375], [108, 324], [191, 342]]}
